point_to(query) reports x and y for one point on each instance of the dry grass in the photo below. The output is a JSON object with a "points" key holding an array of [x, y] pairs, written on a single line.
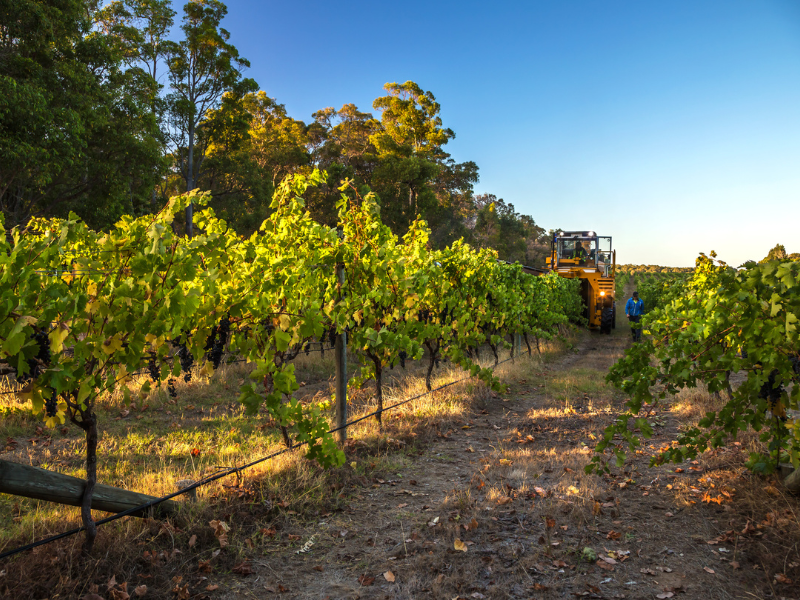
{"points": [[148, 447]]}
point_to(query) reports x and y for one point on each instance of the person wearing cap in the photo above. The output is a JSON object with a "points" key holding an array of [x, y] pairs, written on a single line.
{"points": [[633, 310]]}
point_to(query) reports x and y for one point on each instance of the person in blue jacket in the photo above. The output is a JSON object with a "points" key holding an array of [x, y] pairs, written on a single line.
{"points": [[633, 310]]}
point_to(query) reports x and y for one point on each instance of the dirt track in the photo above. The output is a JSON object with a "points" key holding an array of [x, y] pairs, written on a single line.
{"points": [[508, 484]]}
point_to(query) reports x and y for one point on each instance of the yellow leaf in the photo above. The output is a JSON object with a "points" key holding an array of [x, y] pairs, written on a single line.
{"points": [[57, 337], [111, 345], [459, 545], [91, 307]]}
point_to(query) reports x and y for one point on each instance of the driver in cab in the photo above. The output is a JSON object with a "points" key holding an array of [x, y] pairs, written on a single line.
{"points": [[580, 254]]}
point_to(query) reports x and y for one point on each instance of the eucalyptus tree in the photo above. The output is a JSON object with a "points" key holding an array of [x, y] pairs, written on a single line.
{"points": [[203, 67], [141, 28], [75, 133]]}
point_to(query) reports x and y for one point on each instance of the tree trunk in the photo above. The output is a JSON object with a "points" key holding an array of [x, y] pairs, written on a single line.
{"points": [[89, 425], [190, 181], [378, 388], [433, 353], [528, 344]]}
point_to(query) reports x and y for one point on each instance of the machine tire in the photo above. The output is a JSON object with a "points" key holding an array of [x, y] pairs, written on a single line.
{"points": [[614, 318], [607, 320]]}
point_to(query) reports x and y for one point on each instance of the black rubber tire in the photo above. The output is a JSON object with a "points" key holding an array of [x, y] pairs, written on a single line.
{"points": [[606, 320], [614, 318]]}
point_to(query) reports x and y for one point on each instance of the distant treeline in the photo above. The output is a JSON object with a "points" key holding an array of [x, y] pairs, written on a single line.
{"points": [[634, 269], [777, 253], [104, 114]]}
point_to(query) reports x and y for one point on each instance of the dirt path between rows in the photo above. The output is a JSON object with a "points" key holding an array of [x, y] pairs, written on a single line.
{"points": [[499, 507]]}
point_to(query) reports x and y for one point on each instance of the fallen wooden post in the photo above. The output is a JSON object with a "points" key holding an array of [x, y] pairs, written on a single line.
{"points": [[41, 484]]}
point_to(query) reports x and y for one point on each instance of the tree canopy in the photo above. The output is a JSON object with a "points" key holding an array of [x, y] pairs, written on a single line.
{"points": [[103, 113]]}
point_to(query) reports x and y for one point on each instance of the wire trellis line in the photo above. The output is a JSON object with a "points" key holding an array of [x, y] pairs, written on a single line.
{"points": [[231, 470]]}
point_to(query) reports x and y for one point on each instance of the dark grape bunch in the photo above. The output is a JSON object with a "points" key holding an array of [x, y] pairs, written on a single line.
{"points": [[332, 337], [38, 363], [50, 404], [187, 360], [216, 342], [173, 393], [153, 369], [403, 356]]}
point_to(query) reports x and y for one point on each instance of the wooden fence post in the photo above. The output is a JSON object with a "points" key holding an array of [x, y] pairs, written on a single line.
{"points": [[341, 369], [41, 484]]}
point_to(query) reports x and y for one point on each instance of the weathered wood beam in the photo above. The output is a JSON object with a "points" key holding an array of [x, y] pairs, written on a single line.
{"points": [[41, 484]]}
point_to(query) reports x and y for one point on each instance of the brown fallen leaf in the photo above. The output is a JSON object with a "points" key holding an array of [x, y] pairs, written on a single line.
{"points": [[204, 566], [243, 568], [505, 500], [389, 576], [366, 580], [473, 524], [550, 523], [212, 587], [459, 545], [604, 565], [781, 578], [735, 564], [221, 530], [596, 509], [318, 568], [140, 590], [708, 570], [647, 571], [613, 535], [403, 505], [192, 541]]}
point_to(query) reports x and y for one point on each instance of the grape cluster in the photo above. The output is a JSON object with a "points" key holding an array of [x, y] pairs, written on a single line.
{"points": [[153, 369], [215, 344], [187, 360], [50, 404], [332, 337], [173, 393], [38, 363]]}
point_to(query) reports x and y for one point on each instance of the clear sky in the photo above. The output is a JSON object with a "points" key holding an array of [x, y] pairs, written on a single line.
{"points": [[673, 126]]}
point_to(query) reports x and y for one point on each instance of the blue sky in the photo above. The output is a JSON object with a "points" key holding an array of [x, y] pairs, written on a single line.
{"points": [[672, 126]]}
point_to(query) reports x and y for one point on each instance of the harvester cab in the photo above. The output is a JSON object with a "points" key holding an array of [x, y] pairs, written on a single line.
{"points": [[589, 257]]}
